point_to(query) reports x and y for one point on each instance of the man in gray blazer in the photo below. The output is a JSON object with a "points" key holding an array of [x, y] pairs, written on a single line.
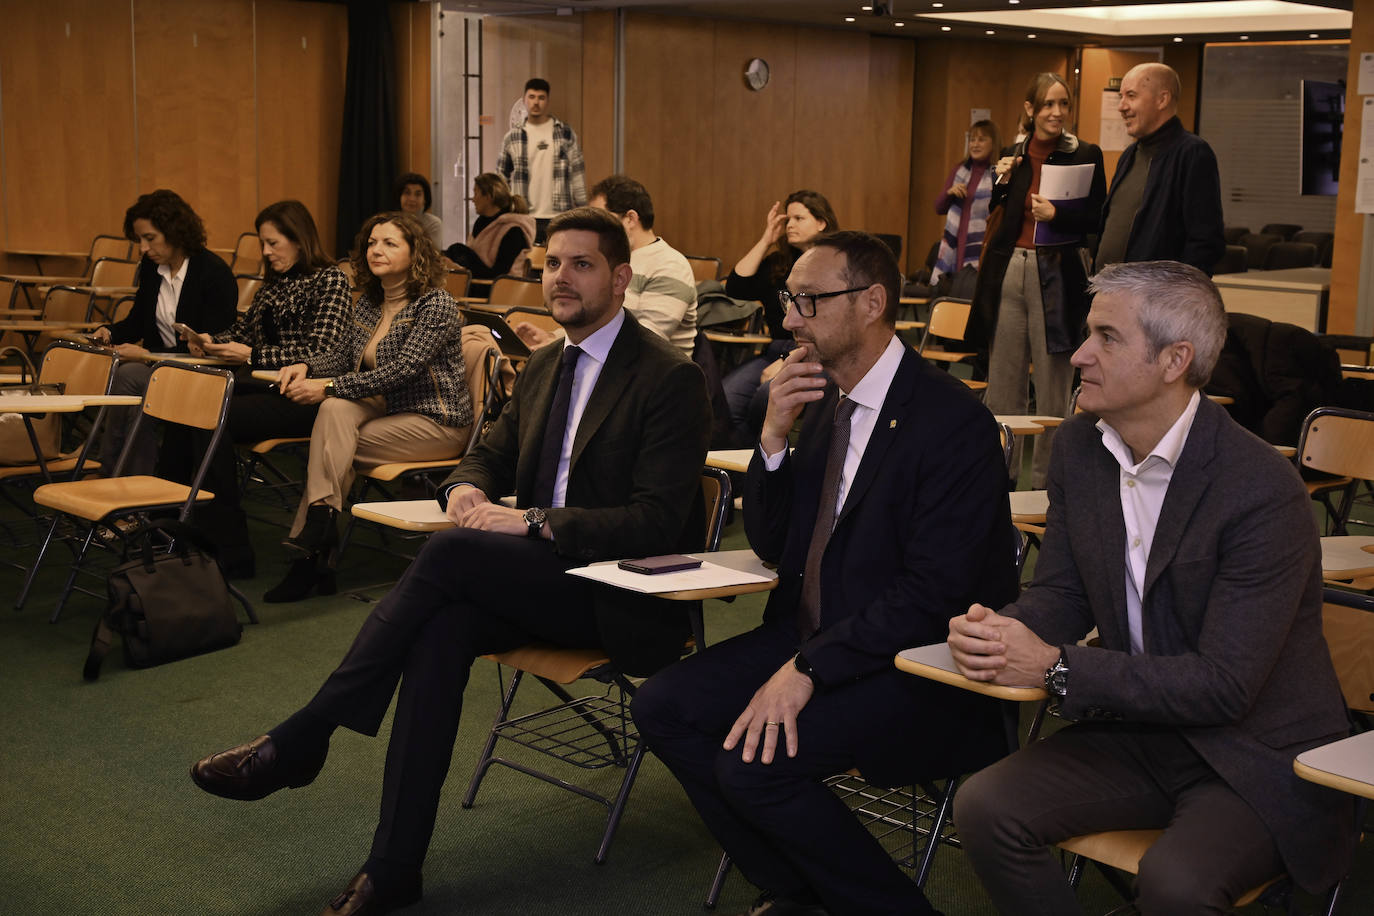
{"points": [[1189, 544]]}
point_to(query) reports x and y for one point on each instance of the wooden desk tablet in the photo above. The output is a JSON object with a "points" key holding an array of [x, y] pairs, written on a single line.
{"points": [[1347, 765], [935, 663]]}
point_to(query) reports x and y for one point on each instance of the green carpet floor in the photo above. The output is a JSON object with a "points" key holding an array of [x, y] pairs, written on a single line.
{"points": [[99, 816]]}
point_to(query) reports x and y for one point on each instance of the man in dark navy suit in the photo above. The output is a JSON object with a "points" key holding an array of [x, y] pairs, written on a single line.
{"points": [[890, 512]]}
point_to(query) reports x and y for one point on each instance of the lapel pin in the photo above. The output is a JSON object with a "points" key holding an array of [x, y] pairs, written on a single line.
{"points": [[891, 424]]}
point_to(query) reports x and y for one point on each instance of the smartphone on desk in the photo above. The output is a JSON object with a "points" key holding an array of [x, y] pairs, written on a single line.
{"points": [[649, 566]]}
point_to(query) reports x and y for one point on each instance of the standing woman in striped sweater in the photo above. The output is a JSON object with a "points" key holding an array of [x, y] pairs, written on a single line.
{"points": [[402, 394], [964, 203]]}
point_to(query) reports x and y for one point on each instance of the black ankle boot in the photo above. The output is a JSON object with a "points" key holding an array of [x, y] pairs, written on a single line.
{"points": [[305, 575], [319, 533]]}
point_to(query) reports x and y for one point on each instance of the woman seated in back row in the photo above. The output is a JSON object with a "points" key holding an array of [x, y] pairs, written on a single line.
{"points": [[403, 394], [180, 281], [503, 231], [300, 314]]}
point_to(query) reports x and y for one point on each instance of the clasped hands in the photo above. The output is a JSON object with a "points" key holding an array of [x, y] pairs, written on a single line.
{"points": [[1001, 650], [468, 507]]}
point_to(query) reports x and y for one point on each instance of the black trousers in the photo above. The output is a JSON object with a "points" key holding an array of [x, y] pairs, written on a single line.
{"points": [[254, 414], [1090, 777], [786, 831], [468, 593]]}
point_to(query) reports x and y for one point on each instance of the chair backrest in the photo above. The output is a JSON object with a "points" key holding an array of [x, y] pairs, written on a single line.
{"points": [[114, 272], [190, 395], [703, 268], [541, 318], [121, 309], [1348, 623], [1282, 230], [1339, 441], [247, 254], [456, 281], [1235, 260], [948, 318], [536, 256], [65, 303], [1233, 234], [893, 241], [490, 378], [508, 290], [716, 491], [1257, 248], [80, 368], [248, 288], [108, 246], [1285, 255], [1325, 242]]}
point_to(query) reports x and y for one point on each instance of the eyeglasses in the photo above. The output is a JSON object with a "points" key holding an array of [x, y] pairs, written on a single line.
{"points": [[806, 302]]}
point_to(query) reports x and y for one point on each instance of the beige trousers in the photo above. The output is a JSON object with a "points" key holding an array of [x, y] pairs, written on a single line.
{"points": [[349, 432], [1018, 341]]}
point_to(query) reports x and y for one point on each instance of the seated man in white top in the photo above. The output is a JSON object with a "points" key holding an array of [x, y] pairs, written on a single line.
{"points": [[663, 294]]}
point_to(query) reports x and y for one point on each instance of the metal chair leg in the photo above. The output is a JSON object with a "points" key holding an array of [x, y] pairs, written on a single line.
{"points": [[71, 577], [485, 761], [38, 561], [723, 869]]}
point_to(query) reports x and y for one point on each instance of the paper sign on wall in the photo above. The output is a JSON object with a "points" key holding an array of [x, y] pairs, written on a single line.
{"points": [[1112, 134]]}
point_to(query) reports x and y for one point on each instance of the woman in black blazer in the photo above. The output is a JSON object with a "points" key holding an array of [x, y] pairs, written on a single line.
{"points": [[179, 281]]}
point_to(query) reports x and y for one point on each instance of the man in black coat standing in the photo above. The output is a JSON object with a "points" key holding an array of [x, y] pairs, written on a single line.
{"points": [[1165, 200]]}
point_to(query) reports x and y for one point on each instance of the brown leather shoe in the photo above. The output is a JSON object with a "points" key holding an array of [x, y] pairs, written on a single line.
{"points": [[360, 898], [251, 771]]}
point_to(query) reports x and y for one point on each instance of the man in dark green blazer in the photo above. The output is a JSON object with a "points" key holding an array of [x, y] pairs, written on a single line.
{"points": [[603, 444], [1189, 544]]}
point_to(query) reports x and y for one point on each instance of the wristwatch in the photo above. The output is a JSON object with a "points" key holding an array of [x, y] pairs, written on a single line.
{"points": [[801, 664], [329, 388], [535, 518], [1057, 680]]}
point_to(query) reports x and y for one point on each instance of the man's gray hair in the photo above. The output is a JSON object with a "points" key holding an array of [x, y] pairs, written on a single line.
{"points": [[1174, 302]]}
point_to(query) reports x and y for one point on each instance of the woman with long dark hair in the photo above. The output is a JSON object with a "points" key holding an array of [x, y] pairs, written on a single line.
{"points": [[299, 315], [179, 281], [1032, 294], [790, 228]]}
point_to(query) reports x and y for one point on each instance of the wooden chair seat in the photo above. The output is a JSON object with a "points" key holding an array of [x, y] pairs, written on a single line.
{"points": [[390, 471], [1322, 486], [55, 466], [1123, 850], [95, 499], [946, 356], [974, 384], [267, 445], [560, 665]]}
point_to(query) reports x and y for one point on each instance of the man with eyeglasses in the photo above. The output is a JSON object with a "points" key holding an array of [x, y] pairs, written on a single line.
{"points": [[891, 510]]}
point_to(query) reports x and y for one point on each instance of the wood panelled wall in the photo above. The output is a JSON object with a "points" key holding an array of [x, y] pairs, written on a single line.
{"points": [[952, 78], [1349, 244], [835, 117], [411, 31], [232, 103]]}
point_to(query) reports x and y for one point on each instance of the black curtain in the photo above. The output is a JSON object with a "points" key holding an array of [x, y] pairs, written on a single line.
{"points": [[367, 155]]}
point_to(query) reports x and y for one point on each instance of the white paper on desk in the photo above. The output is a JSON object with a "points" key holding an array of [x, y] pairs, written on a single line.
{"points": [[1067, 187], [708, 575]]}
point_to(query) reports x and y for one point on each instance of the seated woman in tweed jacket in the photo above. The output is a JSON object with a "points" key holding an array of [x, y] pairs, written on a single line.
{"points": [[403, 396], [300, 314]]}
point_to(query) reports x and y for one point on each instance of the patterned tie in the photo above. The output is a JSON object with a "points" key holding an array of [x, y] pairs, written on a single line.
{"points": [[554, 430], [809, 610]]}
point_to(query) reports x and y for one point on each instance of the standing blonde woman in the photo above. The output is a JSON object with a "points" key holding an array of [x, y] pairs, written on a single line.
{"points": [[1032, 299], [403, 396]]}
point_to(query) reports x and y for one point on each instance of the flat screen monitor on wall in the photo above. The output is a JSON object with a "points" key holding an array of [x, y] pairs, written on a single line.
{"points": [[1323, 117]]}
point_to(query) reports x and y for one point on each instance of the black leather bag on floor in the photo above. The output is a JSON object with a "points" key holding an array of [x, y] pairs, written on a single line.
{"points": [[167, 606]]}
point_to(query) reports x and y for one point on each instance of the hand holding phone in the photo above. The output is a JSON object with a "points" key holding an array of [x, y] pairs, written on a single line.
{"points": [[185, 331]]}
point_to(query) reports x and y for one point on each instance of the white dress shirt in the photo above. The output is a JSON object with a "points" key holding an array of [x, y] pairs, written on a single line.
{"points": [[595, 349], [1144, 485], [168, 293], [868, 396]]}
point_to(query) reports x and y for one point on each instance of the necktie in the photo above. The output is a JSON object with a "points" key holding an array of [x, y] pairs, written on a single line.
{"points": [[554, 430], [809, 609]]}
